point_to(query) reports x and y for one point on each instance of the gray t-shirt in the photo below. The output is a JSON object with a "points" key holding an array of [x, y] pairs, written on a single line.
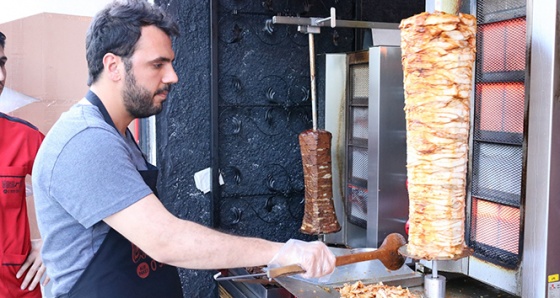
{"points": [[84, 172]]}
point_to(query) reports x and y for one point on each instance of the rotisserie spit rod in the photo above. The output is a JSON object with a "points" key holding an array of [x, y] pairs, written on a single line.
{"points": [[319, 213]]}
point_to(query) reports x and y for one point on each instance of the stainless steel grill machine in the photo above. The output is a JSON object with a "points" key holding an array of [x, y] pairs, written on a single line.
{"points": [[512, 199]]}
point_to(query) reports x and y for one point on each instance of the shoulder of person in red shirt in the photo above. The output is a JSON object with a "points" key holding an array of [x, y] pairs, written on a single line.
{"points": [[19, 141]]}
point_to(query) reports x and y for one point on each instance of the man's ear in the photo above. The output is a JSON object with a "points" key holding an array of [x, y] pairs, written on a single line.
{"points": [[111, 64]]}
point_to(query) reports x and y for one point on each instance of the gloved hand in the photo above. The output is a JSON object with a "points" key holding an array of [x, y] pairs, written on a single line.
{"points": [[314, 257]]}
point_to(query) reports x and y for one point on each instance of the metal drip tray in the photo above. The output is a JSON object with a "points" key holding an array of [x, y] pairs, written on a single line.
{"points": [[369, 272]]}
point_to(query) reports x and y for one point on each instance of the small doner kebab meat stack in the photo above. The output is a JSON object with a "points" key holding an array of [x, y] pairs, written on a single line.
{"points": [[319, 214], [438, 53]]}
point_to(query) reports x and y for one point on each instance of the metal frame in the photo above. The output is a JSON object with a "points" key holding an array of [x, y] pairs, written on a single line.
{"points": [[335, 95], [387, 195], [497, 276], [148, 138], [541, 262]]}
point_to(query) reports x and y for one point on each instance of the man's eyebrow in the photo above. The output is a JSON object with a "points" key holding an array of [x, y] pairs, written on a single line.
{"points": [[162, 59]]}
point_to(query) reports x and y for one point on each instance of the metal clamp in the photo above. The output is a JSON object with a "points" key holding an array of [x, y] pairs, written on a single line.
{"points": [[316, 22], [312, 25]]}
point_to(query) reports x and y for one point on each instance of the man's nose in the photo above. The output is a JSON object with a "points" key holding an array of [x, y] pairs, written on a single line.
{"points": [[171, 77]]}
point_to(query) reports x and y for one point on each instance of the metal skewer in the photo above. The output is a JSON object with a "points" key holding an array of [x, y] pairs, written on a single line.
{"points": [[312, 76], [434, 269], [434, 284]]}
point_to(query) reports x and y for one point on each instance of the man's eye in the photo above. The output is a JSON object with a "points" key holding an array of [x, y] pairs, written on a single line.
{"points": [[158, 65]]}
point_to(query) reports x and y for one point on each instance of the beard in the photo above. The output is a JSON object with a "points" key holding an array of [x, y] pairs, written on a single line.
{"points": [[138, 101]]}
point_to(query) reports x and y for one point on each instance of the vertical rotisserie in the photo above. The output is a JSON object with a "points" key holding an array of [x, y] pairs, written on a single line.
{"points": [[438, 54]]}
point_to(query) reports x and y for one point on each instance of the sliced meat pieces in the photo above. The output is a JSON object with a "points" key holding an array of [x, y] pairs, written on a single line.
{"points": [[438, 54], [319, 213]]}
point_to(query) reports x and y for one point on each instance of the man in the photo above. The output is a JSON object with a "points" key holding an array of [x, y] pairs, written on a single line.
{"points": [[105, 232], [19, 245]]}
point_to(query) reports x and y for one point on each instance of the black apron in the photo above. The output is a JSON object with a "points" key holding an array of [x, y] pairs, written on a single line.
{"points": [[119, 269]]}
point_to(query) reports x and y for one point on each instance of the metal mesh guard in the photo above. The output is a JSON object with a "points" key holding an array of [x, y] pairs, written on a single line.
{"points": [[356, 205], [495, 221]]}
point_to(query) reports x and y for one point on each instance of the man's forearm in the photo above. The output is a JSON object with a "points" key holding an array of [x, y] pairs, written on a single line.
{"points": [[31, 215], [186, 244], [198, 247]]}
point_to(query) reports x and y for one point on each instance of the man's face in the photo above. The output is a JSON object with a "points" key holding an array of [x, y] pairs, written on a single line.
{"points": [[3, 60], [149, 74], [137, 99]]}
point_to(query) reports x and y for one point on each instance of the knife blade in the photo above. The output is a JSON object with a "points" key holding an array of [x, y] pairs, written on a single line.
{"points": [[218, 276]]}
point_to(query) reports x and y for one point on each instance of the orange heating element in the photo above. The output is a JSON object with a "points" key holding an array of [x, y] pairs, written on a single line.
{"points": [[501, 106], [503, 46], [496, 225]]}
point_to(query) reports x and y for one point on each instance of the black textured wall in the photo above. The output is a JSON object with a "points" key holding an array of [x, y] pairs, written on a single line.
{"points": [[263, 103]]}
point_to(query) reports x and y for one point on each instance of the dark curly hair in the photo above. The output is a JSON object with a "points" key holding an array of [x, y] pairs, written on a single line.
{"points": [[117, 28], [2, 40]]}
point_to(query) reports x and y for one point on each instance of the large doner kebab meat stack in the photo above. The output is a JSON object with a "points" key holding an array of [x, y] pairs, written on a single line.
{"points": [[438, 53], [319, 214]]}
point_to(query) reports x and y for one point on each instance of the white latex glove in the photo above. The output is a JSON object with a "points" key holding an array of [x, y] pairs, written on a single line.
{"points": [[314, 257]]}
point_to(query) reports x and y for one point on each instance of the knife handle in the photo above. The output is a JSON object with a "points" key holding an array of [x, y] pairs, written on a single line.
{"points": [[358, 257], [284, 270]]}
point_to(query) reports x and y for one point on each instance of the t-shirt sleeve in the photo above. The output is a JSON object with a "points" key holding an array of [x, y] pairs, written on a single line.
{"points": [[94, 177]]}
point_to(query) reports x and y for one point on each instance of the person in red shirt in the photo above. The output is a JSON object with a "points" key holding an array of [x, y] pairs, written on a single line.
{"points": [[21, 266]]}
